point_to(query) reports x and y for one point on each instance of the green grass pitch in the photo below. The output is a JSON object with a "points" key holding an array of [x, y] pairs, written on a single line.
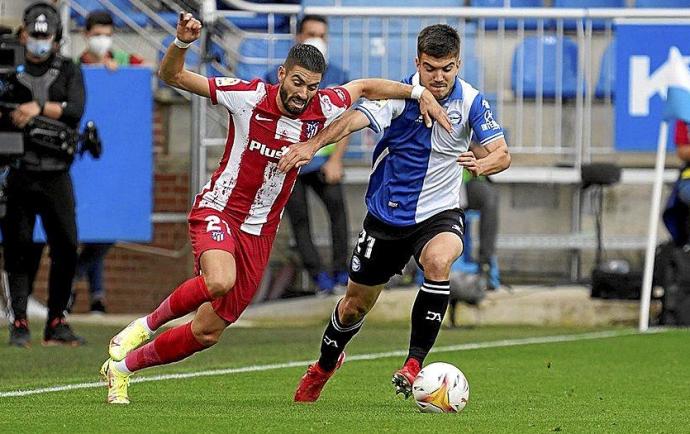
{"points": [[630, 383]]}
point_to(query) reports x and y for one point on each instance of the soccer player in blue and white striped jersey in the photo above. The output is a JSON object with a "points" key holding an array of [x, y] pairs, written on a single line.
{"points": [[412, 200]]}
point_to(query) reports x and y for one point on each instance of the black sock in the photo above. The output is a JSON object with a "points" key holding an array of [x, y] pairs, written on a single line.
{"points": [[427, 315], [335, 337]]}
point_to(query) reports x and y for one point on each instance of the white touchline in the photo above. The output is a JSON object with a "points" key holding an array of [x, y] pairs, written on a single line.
{"points": [[372, 356]]}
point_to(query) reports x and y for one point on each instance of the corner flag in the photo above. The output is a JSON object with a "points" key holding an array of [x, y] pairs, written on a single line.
{"points": [[678, 82]]}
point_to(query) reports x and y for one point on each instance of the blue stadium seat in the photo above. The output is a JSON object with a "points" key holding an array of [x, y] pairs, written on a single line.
{"points": [[471, 70], [192, 57], [662, 3], [510, 24], [260, 23], [606, 85], [124, 5], [596, 24], [169, 17], [256, 54], [388, 55], [549, 46], [385, 3]]}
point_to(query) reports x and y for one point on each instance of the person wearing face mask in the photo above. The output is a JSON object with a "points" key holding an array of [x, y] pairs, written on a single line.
{"points": [[47, 87], [323, 175], [99, 51], [99, 44]]}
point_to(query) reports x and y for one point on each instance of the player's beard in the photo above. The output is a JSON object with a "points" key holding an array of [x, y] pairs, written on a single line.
{"points": [[285, 100]]}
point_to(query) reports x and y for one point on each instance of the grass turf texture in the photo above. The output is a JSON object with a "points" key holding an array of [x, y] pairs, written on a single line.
{"points": [[622, 384]]}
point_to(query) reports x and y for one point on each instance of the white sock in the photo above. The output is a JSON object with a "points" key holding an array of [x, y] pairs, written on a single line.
{"points": [[145, 324], [121, 366]]}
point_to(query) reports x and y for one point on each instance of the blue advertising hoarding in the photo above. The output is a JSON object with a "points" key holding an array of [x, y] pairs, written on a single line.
{"points": [[641, 54], [114, 194]]}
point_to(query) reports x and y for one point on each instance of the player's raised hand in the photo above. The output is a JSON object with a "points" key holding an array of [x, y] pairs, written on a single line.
{"points": [[297, 155], [431, 110], [469, 161], [188, 27]]}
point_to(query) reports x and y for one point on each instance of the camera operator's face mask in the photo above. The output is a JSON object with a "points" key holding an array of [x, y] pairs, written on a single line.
{"points": [[100, 44], [40, 48]]}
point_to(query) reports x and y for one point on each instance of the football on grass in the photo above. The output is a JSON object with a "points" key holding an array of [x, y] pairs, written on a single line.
{"points": [[441, 388]]}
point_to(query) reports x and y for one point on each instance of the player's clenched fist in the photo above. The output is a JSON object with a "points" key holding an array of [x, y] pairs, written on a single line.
{"points": [[188, 27]]}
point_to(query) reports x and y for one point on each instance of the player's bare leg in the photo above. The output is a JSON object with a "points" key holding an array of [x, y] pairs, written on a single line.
{"points": [[179, 342], [429, 307], [346, 321], [218, 268]]}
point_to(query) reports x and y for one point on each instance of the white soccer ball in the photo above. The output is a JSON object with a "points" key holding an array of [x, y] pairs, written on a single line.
{"points": [[441, 388]]}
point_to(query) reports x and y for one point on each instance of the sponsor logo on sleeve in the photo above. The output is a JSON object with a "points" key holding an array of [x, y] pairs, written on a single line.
{"points": [[228, 81], [326, 105], [341, 93], [489, 122]]}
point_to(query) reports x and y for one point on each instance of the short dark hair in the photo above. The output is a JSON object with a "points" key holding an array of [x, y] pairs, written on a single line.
{"points": [[306, 56], [98, 18], [319, 18], [438, 40]]}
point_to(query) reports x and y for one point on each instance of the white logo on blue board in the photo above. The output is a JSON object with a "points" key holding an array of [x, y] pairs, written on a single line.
{"points": [[645, 84]]}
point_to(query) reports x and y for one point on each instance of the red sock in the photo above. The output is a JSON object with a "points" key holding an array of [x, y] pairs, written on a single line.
{"points": [[186, 298], [170, 346]]}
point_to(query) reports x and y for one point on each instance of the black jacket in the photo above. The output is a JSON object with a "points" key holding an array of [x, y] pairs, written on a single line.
{"points": [[68, 87]]}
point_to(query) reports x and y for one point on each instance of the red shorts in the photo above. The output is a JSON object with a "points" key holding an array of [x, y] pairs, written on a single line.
{"points": [[212, 230]]}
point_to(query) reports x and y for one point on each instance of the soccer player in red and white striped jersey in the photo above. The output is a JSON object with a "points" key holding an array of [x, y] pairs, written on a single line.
{"points": [[235, 217]]}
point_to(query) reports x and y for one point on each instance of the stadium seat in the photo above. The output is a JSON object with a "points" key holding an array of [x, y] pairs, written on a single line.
{"points": [[255, 56], [471, 70], [606, 85], [389, 55], [510, 24], [260, 23], [549, 46], [662, 3], [385, 3], [169, 17], [192, 57], [587, 4], [125, 6]]}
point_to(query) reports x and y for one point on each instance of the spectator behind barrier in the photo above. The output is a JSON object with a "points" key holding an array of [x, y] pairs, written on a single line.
{"points": [[98, 33], [323, 175]]}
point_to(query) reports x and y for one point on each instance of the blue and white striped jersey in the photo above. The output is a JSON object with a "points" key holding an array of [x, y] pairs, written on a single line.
{"points": [[414, 171]]}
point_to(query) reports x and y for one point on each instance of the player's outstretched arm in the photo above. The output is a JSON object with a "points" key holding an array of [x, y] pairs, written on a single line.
{"points": [[489, 159], [172, 70], [300, 154], [378, 88]]}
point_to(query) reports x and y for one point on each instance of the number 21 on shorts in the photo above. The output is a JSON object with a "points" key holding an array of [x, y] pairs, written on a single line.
{"points": [[365, 241]]}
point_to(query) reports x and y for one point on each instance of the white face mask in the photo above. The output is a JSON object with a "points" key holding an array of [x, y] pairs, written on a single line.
{"points": [[100, 45], [320, 44], [39, 47]]}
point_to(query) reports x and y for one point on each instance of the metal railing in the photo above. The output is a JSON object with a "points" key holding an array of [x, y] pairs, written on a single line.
{"points": [[558, 122]]}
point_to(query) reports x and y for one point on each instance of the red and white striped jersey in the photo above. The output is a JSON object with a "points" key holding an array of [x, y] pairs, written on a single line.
{"points": [[247, 186]]}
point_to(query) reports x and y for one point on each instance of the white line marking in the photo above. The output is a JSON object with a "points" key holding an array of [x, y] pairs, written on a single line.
{"points": [[372, 356]]}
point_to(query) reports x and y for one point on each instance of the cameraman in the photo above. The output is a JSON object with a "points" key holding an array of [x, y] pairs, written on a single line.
{"points": [[39, 182]]}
